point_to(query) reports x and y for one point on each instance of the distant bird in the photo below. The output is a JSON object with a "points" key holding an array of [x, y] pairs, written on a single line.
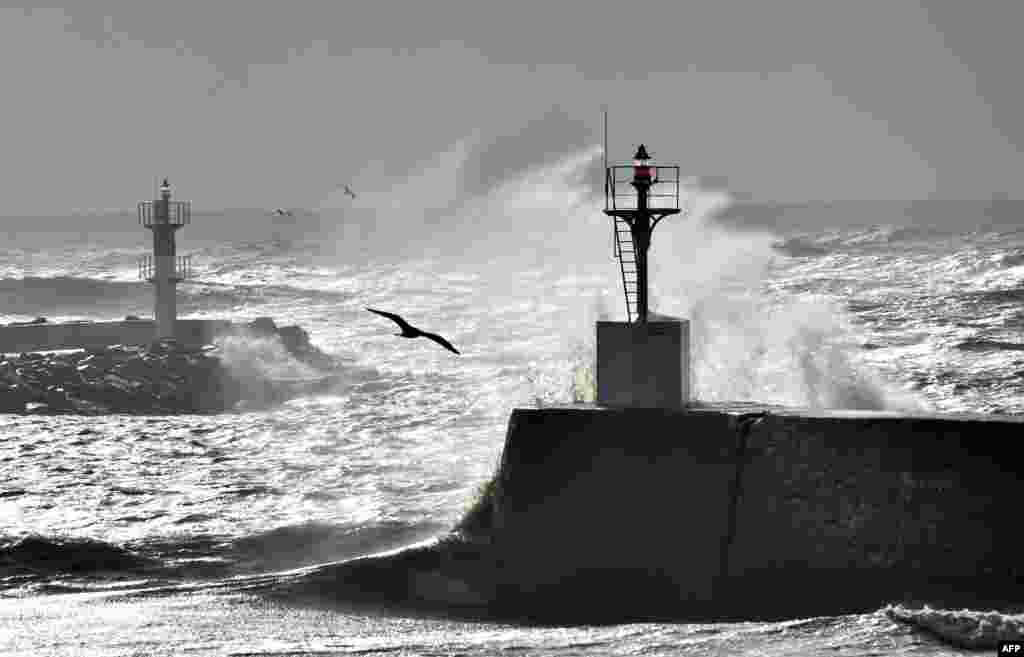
{"points": [[282, 213], [409, 331], [348, 190]]}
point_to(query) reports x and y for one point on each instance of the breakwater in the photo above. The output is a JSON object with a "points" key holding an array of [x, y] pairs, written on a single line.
{"points": [[719, 512], [42, 335], [167, 376]]}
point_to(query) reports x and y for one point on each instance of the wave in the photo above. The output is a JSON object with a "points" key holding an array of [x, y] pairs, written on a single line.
{"points": [[971, 630], [38, 555], [1012, 295], [979, 344], [860, 306], [1010, 260], [290, 546], [312, 543], [41, 562], [796, 247], [874, 235], [887, 234]]}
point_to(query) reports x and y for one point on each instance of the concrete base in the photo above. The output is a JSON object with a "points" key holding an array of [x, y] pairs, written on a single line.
{"points": [[643, 365]]}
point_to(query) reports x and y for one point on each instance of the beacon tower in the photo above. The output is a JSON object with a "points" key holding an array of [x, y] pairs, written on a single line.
{"points": [[641, 362], [164, 269]]}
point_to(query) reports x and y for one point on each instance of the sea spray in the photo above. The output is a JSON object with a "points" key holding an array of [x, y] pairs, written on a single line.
{"points": [[569, 380], [399, 216], [573, 377], [750, 344], [747, 343], [252, 357]]}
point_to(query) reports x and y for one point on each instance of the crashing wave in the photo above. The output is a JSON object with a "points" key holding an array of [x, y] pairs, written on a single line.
{"points": [[884, 234], [972, 630], [978, 344], [48, 555], [795, 247]]}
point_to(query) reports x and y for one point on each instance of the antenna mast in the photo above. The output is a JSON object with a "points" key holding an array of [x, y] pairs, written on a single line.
{"points": [[604, 148]]}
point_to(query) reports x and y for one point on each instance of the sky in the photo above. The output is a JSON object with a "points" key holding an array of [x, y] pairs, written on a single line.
{"points": [[250, 104]]}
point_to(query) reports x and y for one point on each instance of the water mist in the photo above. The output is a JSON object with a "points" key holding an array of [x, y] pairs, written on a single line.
{"points": [[748, 343]]}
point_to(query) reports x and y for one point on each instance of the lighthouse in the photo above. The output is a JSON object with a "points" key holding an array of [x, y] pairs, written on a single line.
{"points": [[164, 269], [641, 362]]}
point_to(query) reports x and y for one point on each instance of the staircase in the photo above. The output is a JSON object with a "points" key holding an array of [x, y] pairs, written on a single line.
{"points": [[625, 251]]}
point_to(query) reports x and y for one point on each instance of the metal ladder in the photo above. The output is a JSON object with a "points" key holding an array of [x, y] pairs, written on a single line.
{"points": [[627, 264]]}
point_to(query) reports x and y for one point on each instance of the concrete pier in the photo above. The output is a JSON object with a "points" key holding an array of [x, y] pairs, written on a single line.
{"points": [[90, 335], [762, 509], [721, 511]]}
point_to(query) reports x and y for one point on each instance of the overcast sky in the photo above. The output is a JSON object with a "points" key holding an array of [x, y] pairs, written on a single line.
{"points": [[248, 104]]}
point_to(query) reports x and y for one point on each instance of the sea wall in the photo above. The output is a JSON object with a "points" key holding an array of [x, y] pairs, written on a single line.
{"points": [[724, 511], [856, 506], [94, 335], [602, 501], [751, 510]]}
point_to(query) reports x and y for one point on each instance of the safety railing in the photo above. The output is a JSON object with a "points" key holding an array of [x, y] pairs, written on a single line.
{"points": [[620, 194], [179, 213], [181, 269]]}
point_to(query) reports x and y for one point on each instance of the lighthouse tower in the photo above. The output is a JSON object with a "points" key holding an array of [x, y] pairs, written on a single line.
{"points": [[164, 269], [641, 362]]}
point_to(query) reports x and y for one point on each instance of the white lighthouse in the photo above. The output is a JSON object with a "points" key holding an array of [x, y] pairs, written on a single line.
{"points": [[164, 269]]}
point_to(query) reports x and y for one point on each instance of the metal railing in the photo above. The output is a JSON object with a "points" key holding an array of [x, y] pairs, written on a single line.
{"points": [[179, 213], [619, 193], [182, 268]]}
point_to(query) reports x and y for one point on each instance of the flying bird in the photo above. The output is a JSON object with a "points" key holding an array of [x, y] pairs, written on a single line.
{"points": [[348, 190], [280, 212], [409, 331]]}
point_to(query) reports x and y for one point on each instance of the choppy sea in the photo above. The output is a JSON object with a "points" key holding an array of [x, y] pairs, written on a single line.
{"points": [[132, 535]]}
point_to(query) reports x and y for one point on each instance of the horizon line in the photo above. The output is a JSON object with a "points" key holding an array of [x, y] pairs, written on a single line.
{"points": [[74, 212]]}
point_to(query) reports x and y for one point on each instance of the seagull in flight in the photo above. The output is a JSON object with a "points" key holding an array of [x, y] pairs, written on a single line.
{"points": [[348, 190], [409, 331]]}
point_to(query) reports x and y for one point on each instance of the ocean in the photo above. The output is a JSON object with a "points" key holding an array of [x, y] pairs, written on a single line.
{"points": [[151, 535]]}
